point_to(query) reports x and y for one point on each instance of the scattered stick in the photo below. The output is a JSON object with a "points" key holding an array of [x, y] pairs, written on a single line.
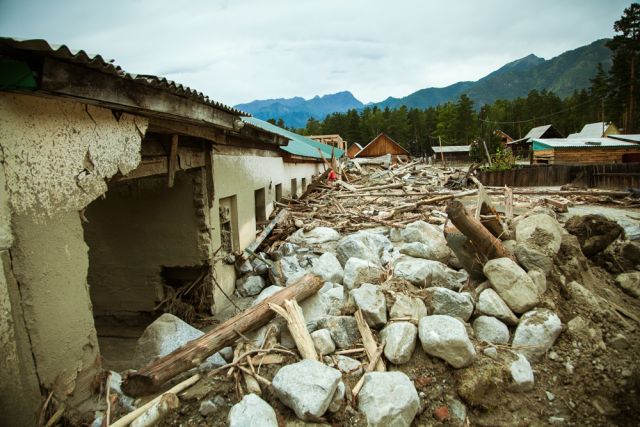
{"points": [[292, 313], [374, 361], [368, 340], [168, 402]]}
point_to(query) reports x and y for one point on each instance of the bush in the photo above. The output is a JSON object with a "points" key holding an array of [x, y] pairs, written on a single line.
{"points": [[503, 160]]}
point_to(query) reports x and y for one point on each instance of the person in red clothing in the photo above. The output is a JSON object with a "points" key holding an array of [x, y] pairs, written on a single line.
{"points": [[332, 176]]}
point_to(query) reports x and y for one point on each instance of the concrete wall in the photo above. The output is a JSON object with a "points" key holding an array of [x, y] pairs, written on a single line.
{"points": [[140, 226], [240, 175], [56, 156]]}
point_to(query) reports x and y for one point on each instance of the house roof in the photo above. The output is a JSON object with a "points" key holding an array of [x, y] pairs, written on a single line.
{"points": [[451, 149], [381, 135], [358, 145], [580, 143], [298, 145], [628, 138], [592, 130], [535, 133]]}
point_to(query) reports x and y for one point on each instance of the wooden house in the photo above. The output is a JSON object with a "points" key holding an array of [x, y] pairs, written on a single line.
{"points": [[573, 151], [333, 140], [522, 147], [353, 149], [382, 145], [451, 154], [596, 130]]}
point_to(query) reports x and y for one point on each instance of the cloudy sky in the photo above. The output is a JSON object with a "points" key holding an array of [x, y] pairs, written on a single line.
{"points": [[237, 51]]}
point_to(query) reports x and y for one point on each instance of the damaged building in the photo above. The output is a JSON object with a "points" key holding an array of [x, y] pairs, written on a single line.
{"points": [[117, 191]]}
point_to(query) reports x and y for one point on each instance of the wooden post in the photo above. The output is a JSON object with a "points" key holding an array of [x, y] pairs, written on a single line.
{"points": [[150, 377], [173, 159], [486, 151], [508, 202], [441, 153]]}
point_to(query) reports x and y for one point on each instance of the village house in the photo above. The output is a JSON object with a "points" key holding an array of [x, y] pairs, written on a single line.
{"points": [[115, 191], [572, 151], [333, 140], [522, 147], [353, 150], [382, 145], [596, 130], [451, 154]]}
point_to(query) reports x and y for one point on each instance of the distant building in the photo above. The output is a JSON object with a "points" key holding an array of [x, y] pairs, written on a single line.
{"points": [[334, 140], [596, 130], [573, 151], [504, 137], [522, 147], [381, 145], [353, 149], [452, 154]]}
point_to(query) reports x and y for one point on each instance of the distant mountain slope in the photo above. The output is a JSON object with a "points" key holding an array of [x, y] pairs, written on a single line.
{"points": [[296, 111]]}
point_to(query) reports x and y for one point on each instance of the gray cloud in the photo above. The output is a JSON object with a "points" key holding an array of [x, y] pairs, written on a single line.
{"points": [[236, 51]]}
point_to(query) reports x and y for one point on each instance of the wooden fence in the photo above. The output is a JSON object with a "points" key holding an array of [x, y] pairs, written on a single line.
{"points": [[619, 176]]}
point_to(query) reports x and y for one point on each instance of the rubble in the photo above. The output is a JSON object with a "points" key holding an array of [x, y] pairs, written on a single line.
{"points": [[445, 301], [400, 341], [252, 411], [407, 306], [388, 399], [512, 283], [630, 283], [446, 337], [372, 303], [358, 271], [490, 304], [536, 333], [491, 330], [323, 342]]}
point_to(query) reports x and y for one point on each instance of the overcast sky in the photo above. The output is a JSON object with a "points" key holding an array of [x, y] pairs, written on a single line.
{"points": [[238, 51]]}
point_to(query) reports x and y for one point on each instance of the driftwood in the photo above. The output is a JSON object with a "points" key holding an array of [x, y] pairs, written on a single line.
{"points": [[150, 377], [168, 402], [508, 203], [253, 246], [487, 245], [369, 342], [292, 313]]}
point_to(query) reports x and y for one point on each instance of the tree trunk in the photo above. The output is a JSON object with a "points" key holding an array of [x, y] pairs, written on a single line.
{"points": [[150, 377]]}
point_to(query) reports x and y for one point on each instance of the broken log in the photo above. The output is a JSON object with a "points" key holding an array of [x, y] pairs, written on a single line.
{"points": [[292, 313], [369, 342], [150, 377], [253, 246], [485, 243], [152, 416]]}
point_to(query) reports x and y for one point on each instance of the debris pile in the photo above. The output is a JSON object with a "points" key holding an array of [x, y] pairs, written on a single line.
{"points": [[424, 313]]}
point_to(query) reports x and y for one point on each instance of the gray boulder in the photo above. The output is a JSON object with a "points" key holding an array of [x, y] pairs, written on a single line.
{"points": [[338, 398], [388, 399], [252, 411], [250, 285], [521, 374], [343, 329], [536, 333], [348, 365], [541, 232], [287, 270], [266, 293], [322, 341], [372, 303], [425, 273], [314, 236], [423, 232], [360, 245], [432, 250], [328, 267], [445, 301], [512, 283], [407, 306], [315, 307], [539, 279], [630, 283], [358, 271], [307, 387], [400, 341], [491, 330], [446, 337], [533, 259], [490, 304]]}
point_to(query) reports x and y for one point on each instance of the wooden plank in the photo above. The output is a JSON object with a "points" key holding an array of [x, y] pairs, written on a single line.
{"points": [[173, 160]]}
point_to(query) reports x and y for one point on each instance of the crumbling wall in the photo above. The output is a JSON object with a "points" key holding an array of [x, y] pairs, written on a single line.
{"points": [[56, 155], [139, 227]]}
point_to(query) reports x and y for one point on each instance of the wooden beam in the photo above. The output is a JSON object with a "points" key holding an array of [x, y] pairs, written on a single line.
{"points": [[173, 159]]}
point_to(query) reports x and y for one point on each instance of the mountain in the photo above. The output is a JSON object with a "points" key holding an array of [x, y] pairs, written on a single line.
{"points": [[562, 75], [296, 111]]}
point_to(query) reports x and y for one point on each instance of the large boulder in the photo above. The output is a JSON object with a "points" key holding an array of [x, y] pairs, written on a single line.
{"points": [[252, 411], [328, 268], [512, 283], [630, 283], [314, 236], [307, 387], [433, 250], [446, 337], [490, 304], [407, 306], [250, 285], [445, 301], [532, 259], [343, 329], [358, 271], [491, 330], [423, 232], [366, 246], [400, 341], [286, 270], [540, 231], [594, 232], [371, 301], [536, 333], [388, 399], [425, 273]]}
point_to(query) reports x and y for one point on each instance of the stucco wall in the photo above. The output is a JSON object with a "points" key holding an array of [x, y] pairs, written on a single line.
{"points": [[241, 175], [140, 226]]}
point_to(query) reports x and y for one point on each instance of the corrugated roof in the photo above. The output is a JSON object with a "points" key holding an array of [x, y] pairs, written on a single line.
{"points": [[537, 132], [628, 138], [451, 149], [97, 62], [591, 130], [585, 143], [298, 145]]}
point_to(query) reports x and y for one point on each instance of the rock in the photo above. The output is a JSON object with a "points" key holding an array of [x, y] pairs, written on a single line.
{"points": [[322, 341], [364, 246], [491, 330], [287, 249], [207, 407], [491, 352], [490, 304], [541, 232], [287, 270], [631, 252], [358, 271], [164, 335], [521, 374], [315, 307], [594, 232], [372, 303], [250, 285], [227, 354], [343, 329], [328, 267], [400, 341], [583, 297], [395, 235], [266, 293], [252, 411], [245, 268], [334, 299], [512, 283], [348, 365], [116, 387], [388, 399], [433, 250], [407, 306], [425, 273], [446, 337], [314, 236], [307, 387], [533, 259], [423, 232], [539, 279], [510, 246], [444, 301], [338, 398], [536, 333], [214, 361], [458, 411], [441, 413], [466, 255], [630, 283], [619, 342]]}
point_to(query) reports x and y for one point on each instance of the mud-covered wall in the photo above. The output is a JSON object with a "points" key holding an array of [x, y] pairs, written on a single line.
{"points": [[140, 226], [241, 175], [56, 155]]}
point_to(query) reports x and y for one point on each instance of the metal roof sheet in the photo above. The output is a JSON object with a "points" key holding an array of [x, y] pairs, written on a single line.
{"points": [[585, 143], [451, 149], [298, 145], [592, 130], [628, 138], [97, 62], [537, 132]]}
